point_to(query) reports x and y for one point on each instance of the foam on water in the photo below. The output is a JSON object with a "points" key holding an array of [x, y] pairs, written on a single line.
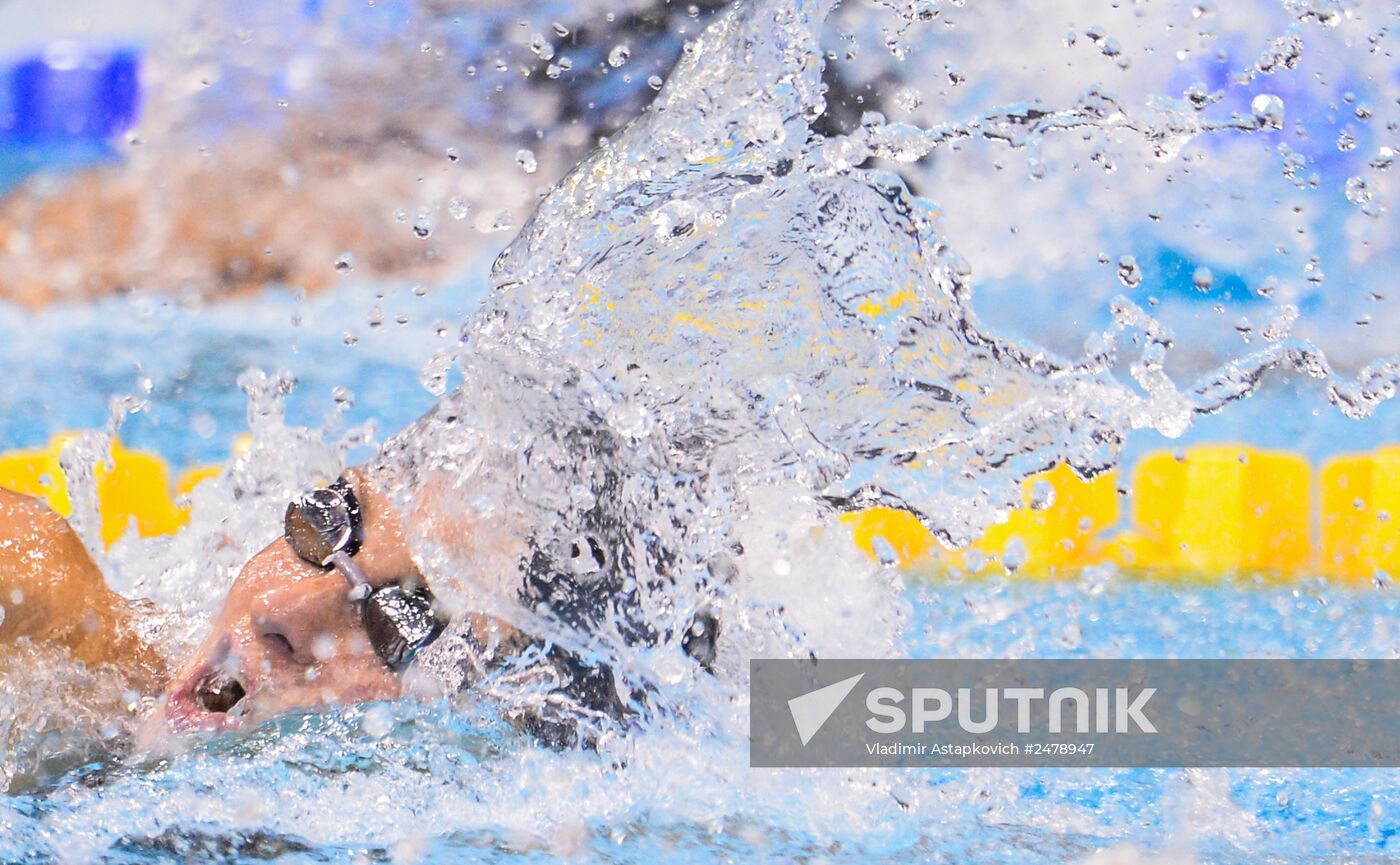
{"points": [[715, 333]]}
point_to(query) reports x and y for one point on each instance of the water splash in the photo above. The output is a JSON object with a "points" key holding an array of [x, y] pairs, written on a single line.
{"points": [[720, 303]]}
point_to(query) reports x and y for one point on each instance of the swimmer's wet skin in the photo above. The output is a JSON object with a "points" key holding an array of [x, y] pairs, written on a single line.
{"points": [[52, 593]]}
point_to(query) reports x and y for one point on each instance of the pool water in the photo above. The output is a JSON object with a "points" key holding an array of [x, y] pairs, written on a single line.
{"points": [[422, 783]]}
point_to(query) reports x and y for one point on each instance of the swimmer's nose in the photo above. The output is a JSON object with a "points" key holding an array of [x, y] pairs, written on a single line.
{"points": [[218, 693]]}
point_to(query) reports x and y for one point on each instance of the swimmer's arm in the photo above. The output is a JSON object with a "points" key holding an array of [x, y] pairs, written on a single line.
{"points": [[52, 592]]}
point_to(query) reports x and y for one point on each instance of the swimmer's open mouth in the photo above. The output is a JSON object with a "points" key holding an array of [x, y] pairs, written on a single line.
{"points": [[212, 699], [219, 693]]}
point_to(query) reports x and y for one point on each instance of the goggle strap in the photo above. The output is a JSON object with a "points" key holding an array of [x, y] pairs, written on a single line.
{"points": [[359, 583]]}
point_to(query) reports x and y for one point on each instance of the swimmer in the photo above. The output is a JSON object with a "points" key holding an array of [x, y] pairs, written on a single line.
{"points": [[333, 612]]}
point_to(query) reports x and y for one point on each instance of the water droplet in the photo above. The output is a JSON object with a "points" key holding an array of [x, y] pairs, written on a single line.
{"points": [[1346, 141], [1203, 279], [1385, 158], [376, 316], [324, 647], [1268, 111], [655, 82], [955, 77], [908, 98], [350, 338], [1313, 271], [1198, 96], [884, 551], [458, 209], [526, 160], [541, 47], [453, 154], [1325, 17], [1128, 271], [503, 221], [618, 55], [1360, 193], [423, 226], [1014, 555], [345, 262]]}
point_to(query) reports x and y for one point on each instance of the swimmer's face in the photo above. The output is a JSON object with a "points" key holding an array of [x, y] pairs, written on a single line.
{"points": [[289, 637]]}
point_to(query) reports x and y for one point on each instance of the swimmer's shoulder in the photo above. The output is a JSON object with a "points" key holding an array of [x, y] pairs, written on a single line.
{"points": [[51, 590], [21, 514]]}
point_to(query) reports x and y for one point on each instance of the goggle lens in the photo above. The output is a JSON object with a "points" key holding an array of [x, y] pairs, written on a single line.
{"points": [[318, 525], [400, 621]]}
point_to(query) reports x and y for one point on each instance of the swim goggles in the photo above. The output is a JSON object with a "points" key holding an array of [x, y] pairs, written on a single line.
{"points": [[325, 529]]}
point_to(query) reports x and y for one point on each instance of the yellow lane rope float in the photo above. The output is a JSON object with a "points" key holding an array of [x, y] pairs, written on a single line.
{"points": [[134, 488], [1200, 513]]}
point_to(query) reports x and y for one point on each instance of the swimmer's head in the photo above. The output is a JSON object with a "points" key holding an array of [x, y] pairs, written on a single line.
{"points": [[292, 634]]}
